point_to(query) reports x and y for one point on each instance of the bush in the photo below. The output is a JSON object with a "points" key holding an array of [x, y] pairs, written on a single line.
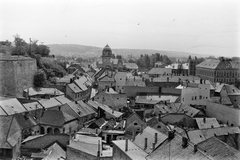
{"points": [[39, 79]]}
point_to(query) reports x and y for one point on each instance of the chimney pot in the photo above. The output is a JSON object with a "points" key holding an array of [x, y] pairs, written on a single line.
{"points": [[126, 145]]}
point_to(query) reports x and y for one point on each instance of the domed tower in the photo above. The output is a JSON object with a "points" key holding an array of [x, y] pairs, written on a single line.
{"points": [[106, 56]]}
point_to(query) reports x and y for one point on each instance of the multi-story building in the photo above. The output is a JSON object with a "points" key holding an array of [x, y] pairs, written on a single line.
{"points": [[219, 70]]}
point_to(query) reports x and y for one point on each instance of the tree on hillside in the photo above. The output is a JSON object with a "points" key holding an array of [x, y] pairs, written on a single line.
{"points": [[20, 46], [39, 78]]}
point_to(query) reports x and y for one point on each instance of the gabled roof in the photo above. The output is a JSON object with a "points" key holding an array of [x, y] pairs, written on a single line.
{"points": [[106, 108], [173, 149], [81, 109], [10, 132], [12, 106], [133, 152], [134, 117], [209, 63], [149, 133], [177, 108], [204, 123], [218, 150], [197, 136], [55, 151], [74, 88], [99, 122], [88, 148], [49, 103], [80, 84]]}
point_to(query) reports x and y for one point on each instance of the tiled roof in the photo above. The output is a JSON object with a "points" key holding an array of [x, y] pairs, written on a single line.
{"points": [[52, 118], [49, 103], [12, 106], [197, 136], [173, 150], [149, 133], [177, 108], [44, 141], [25, 122], [106, 108], [62, 99], [81, 109], [160, 71], [74, 88], [9, 132], [135, 81], [204, 123], [53, 152], [99, 122], [91, 149], [133, 152], [209, 63], [218, 150]]}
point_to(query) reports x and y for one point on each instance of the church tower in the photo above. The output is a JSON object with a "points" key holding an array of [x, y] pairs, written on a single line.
{"points": [[106, 56]]}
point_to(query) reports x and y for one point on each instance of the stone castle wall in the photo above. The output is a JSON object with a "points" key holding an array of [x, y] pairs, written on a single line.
{"points": [[16, 74]]}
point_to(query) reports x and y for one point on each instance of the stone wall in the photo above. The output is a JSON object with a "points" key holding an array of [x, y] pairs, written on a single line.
{"points": [[16, 74]]}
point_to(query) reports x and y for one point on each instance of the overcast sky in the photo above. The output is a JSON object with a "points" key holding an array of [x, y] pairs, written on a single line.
{"points": [[209, 27]]}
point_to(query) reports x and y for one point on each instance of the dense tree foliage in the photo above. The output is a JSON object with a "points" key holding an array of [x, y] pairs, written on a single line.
{"points": [[39, 78], [146, 61]]}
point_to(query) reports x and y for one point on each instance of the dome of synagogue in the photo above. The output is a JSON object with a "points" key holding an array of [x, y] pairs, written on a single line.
{"points": [[107, 52]]}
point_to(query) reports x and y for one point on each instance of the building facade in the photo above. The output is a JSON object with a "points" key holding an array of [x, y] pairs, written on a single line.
{"points": [[219, 70]]}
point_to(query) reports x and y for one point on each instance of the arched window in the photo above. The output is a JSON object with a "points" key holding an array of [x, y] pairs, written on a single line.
{"points": [[49, 130], [56, 131]]}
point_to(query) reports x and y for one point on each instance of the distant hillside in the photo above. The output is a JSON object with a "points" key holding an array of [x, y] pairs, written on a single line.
{"points": [[91, 51]]}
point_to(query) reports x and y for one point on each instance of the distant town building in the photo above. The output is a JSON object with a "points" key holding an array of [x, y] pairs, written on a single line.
{"points": [[219, 70], [107, 61]]}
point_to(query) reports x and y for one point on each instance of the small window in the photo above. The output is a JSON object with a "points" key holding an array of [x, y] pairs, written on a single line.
{"points": [[158, 126], [135, 124]]}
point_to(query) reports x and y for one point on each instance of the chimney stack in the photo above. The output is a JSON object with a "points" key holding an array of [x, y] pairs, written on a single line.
{"points": [[126, 145], [153, 146], [170, 135], [184, 142], [195, 148], [204, 120], [133, 135], [98, 152], [145, 144], [156, 135]]}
